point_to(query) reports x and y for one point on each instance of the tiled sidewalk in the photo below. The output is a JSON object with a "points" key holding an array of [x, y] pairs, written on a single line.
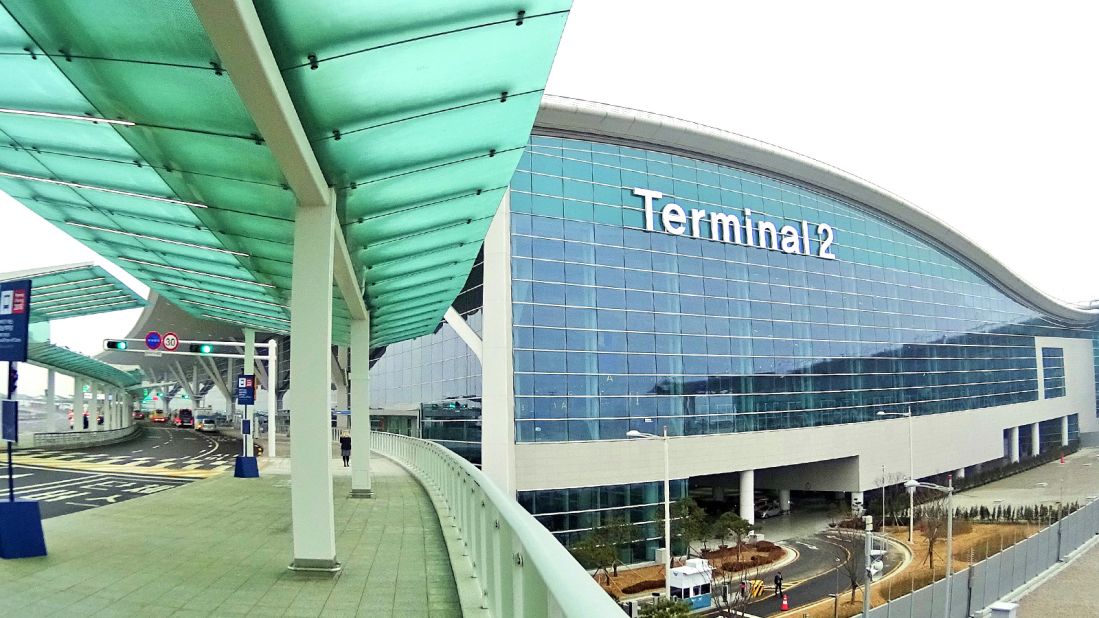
{"points": [[220, 547]]}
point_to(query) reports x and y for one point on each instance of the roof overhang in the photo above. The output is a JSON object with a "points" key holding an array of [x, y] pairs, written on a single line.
{"points": [[184, 162], [74, 290], [578, 118]]}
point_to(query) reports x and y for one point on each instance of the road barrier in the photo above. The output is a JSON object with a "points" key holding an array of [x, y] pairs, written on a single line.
{"points": [[984, 583], [521, 569], [82, 439]]}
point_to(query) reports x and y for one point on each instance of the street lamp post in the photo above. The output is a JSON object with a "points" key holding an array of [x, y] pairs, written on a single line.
{"points": [[911, 470], [633, 433], [911, 485]]}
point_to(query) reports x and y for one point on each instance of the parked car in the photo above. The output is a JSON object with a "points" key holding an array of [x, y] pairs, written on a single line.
{"points": [[139, 415], [185, 418], [768, 510], [206, 424], [158, 417]]}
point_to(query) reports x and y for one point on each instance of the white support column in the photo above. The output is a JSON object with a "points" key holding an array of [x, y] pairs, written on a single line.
{"points": [[748, 495], [311, 376], [51, 400], [497, 383], [195, 386], [78, 404], [959, 473], [1013, 444], [784, 499], [231, 382], [361, 486], [1035, 440], [93, 408], [249, 411], [1064, 431], [272, 394]]}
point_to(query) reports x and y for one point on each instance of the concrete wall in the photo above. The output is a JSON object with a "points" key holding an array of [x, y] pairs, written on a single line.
{"points": [[82, 439], [943, 442]]}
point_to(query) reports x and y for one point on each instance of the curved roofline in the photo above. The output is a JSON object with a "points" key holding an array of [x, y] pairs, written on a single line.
{"points": [[566, 117]]}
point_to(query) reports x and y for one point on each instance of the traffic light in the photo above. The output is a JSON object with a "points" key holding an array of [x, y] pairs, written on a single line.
{"points": [[13, 379], [202, 348], [115, 344]]}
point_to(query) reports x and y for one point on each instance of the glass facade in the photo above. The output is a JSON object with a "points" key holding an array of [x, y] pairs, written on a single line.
{"points": [[617, 327], [1053, 372], [569, 513], [439, 376]]}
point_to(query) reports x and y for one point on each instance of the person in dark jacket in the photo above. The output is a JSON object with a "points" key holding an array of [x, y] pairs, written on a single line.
{"points": [[345, 448]]}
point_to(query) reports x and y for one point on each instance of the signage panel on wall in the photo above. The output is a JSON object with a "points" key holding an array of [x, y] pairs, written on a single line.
{"points": [[728, 227], [15, 313], [246, 389]]}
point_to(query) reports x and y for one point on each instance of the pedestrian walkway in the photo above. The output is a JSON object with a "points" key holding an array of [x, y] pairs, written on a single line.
{"points": [[1070, 592], [221, 547]]}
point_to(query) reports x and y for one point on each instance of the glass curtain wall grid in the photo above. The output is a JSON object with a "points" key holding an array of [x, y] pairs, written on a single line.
{"points": [[1053, 372], [570, 513], [618, 327], [440, 376]]}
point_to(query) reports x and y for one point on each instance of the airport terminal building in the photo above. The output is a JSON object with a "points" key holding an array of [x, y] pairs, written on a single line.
{"points": [[645, 272]]}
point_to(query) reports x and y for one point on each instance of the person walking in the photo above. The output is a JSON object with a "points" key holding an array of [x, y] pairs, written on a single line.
{"points": [[778, 584], [345, 448]]}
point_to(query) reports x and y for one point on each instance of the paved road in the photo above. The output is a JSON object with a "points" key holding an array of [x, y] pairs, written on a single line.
{"points": [[158, 460], [812, 576]]}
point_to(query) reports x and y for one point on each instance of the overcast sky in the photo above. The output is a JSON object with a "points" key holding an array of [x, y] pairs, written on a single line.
{"points": [[985, 114], [982, 113]]}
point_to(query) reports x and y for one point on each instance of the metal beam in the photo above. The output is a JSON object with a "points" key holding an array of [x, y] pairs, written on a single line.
{"points": [[215, 375], [181, 379], [235, 30], [237, 34], [346, 278], [461, 327]]}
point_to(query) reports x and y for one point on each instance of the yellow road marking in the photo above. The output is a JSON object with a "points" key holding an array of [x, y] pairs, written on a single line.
{"points": [[119, 468]]}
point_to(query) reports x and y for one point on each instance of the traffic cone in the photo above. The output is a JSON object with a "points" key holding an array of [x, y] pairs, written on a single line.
{"points": [[785, 603]]}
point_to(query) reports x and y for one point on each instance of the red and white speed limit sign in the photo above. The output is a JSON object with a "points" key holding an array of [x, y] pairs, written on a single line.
{"points": [[170, 342]]}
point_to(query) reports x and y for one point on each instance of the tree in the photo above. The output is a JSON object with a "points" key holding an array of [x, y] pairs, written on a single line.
{"points": [[732, 524], [689, 522], [666, 608], [852, 568], [934, 522], [598, 549]]}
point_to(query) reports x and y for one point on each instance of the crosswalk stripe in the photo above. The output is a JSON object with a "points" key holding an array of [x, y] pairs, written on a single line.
{"points": [[105, 467]]}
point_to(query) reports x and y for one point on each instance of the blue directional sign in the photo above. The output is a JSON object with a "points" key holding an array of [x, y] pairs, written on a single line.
{"points": [[15, 313], [246, 389], [9, 421], [152, 340]]}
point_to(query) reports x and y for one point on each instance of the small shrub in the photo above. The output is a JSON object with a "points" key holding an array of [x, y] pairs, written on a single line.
{"points": [[642, 586], [764, 546]]}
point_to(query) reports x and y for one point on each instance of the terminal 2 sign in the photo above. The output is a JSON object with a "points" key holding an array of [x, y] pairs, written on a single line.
{"points": [[727, 227]]}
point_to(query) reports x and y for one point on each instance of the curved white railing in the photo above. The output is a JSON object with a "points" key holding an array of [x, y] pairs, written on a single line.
{"points": [[522, 570]]}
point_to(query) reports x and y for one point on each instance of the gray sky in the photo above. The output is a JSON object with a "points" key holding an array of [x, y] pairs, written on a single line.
{"points": [[982, 113]]}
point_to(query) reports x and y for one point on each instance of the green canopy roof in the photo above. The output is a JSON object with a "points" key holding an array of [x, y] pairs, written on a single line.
{"points": [[416, 110], [75, 290], [67, 361]]}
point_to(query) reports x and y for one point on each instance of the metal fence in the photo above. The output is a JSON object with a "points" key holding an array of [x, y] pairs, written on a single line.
{"points": [[982, 584], [521, 569]]}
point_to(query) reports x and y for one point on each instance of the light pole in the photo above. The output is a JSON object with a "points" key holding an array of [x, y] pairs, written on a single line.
{"points": [[633, 433], [911, 485], [869, 519], [911, 470]]}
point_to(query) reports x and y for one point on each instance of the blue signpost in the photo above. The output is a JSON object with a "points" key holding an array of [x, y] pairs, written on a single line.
{"points": [[20, 520], [246, 465]]}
